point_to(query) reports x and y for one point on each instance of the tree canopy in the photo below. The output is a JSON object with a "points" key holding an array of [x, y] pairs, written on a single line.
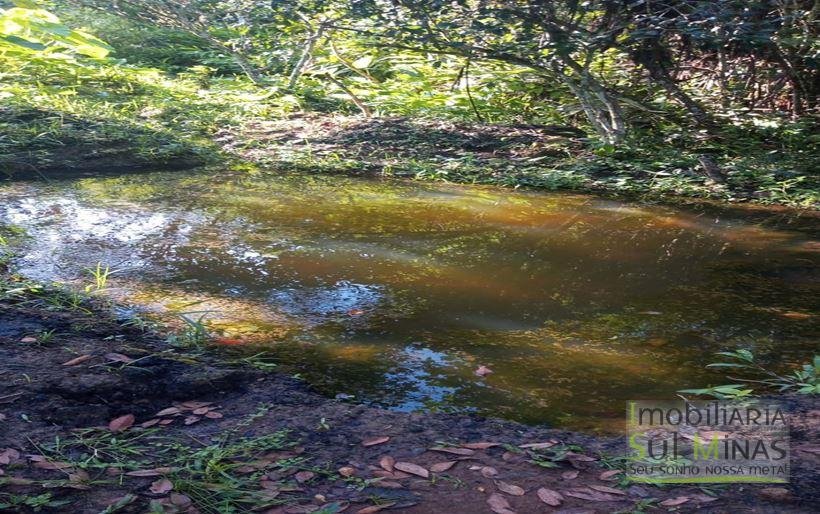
{"points": [[711, 78]]}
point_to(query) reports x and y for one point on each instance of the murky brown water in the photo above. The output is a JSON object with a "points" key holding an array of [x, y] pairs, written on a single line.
{"points": [[396, 292]]}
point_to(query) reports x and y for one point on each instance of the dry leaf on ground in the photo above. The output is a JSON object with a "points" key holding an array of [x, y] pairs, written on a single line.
{"points": [[374, 442], [161, 486], [550, 497], [453, 450], [605, 489], [510, 489], [347, 471], [121, 423], [375, 508], [499, 505], [387, 462], [78, 360], [674, 502], [442, 466], [413, 469], [609, 475], [304, 476], [480, 446]]}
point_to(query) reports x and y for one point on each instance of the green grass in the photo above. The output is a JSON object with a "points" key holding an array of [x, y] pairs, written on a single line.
{"points": [[220, 475]]}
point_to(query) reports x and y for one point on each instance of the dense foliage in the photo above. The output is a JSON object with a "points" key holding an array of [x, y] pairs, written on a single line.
{"points": [[697, 91]]}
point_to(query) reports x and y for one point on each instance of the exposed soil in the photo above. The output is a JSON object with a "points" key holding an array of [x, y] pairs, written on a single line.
{"points": [[42, 398]]}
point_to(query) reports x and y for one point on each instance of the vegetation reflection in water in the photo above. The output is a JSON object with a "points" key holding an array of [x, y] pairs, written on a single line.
{"points": [[396, 292]]}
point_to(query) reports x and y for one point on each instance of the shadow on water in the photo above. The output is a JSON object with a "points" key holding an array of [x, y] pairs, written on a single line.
{"points": [[396, 292]]}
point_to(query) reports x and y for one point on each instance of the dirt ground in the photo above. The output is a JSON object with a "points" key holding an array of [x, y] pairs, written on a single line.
{"points": [[381, 144], [203, 438]]}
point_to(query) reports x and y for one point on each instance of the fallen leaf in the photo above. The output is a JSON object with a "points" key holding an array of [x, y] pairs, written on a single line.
{"points": [[480, 446], [674, 502], [538, 446], [46, 464], [150, 423], [180, 500], [78, 360], [166, 421], [591, 495], [483, 371], [609, 475], [375, 508], [572, 456], [413, 469], [499, 505], [190, 420], [705, 498], [118, 357], [213, 415], [17, 481], [510, 489], [509, 456], [550, 497], [355, 312], [453, 450], [191, 405], [162, 486], [569, 475], [118, 503], [304, 476], [390, 484], [387, 462], [200, 411], [440, 467], [347, 471], [393, 475], [121, 423], [605, 489], [374, 442], [7, 455], [170, 411], [488, 472], [155, 472], [28, 339]]}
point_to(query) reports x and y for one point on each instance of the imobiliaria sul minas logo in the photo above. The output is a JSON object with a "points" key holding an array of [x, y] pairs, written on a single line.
{"points": [[701, 442]]}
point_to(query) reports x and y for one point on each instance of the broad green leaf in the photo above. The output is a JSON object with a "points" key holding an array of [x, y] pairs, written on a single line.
{"points": [[25, 43]]}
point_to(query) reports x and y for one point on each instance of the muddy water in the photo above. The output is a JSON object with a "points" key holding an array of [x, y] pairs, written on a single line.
{"points": [[397, 292]]}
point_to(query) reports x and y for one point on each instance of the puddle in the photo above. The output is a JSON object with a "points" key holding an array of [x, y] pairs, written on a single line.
{"points": [[396, 292]]}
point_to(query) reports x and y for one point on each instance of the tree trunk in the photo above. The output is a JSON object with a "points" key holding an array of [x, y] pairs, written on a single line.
{"points": [[307, 53], [356, 100], [648, 57], [711, 168], [602, 109], [244, 64]]}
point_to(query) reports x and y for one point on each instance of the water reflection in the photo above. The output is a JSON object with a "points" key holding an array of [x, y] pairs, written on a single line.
{"points": [[397, 292]]}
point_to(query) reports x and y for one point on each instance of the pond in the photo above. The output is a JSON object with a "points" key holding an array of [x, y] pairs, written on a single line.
{"points": [[397, 292]]}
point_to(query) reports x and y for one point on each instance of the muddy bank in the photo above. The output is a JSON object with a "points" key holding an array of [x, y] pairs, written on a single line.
{"points": [[211, 436]]}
